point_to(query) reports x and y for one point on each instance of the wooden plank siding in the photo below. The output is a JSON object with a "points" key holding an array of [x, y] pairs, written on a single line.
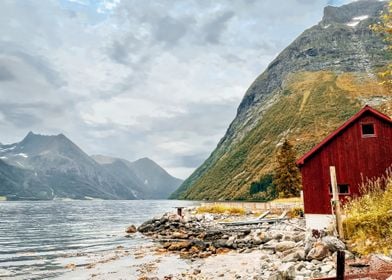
{"points": [[354, 156]]}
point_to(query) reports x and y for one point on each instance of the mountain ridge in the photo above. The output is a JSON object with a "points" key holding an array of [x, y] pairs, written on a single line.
{"points": [[54, 167], [323, 77]]}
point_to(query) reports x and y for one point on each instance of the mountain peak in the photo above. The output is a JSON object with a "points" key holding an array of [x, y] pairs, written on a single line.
{"points": [[346, 13]]}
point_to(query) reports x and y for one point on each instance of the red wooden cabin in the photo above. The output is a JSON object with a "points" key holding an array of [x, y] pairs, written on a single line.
{"points": [[361, 148]]}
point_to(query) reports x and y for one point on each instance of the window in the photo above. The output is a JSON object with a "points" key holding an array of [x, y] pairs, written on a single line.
{"points": [[368, 130], [342, 188]]}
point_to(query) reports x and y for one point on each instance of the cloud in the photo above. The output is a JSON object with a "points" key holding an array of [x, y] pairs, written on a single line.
{"points": [[5, 74], [130, 79]]}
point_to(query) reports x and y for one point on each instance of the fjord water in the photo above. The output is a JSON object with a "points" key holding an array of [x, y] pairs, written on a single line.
{"points": [[39, 238]]}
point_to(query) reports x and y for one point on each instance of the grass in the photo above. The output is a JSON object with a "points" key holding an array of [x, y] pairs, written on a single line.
{"points": [[221, 209], [368, 225], [3, 198], [287, 200]]}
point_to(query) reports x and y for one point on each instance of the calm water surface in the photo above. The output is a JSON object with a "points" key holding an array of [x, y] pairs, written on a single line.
{"points": [[38, 238]]}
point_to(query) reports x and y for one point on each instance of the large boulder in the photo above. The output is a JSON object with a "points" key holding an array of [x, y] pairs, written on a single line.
{"points": [[284, 246], [318, 252], [333, 243]]}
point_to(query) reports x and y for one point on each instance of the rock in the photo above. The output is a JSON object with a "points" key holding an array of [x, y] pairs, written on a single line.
{"points": [[299, 237], [70, 266], [173, 218], [194, 250], [179, 235], [220, 243], [145, 227], [177, 246], [222, 250], [131, 229], [318, 252], [284, 246], [298, 255], [199, 244], [287, 270], [333, 243], [196, 271], [326, 268], [208, 217], [316, 274]]}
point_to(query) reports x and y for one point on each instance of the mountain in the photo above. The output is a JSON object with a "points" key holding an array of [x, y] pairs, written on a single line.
{"points": [[52, 167], [314, 85], [152, 180]]}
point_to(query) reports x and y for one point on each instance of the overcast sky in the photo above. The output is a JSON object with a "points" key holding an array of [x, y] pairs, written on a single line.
{"points": [[159, 79]]}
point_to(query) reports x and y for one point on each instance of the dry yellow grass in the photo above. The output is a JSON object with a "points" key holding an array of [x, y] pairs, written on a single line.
{"points": [[287, 200], [220, 209], [369, 218]]}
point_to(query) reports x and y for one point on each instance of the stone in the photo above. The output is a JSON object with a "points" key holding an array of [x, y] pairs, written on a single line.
{"points": [[131, 229], [284, 246], [222, 250], [333, 243], [220, 243], [298, 255], [318, 252], [177, 246], [326, 268], [179, 235], [287, 270]]}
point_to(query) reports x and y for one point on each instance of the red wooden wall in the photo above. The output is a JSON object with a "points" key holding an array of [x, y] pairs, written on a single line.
{"points": [[354, 157]]}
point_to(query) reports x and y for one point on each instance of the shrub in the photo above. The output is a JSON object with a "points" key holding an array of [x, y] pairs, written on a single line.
{"points": [[296, 212], [221, 209], [369, 218]]}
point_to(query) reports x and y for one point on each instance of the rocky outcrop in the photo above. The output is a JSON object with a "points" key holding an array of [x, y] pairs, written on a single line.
{"points": [[283, 244]]}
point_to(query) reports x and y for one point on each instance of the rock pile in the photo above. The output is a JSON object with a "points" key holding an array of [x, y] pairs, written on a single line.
{"points": [[288, 251]]}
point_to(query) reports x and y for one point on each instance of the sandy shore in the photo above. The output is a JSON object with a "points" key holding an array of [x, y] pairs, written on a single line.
{"points": [[148, 263]]}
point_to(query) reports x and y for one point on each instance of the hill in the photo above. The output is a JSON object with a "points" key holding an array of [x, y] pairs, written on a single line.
{"points": [[314, 85]]}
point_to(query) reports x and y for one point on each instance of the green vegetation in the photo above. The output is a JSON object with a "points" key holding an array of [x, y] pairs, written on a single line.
{"points": [[287, 179], [369, 218], [3, 198], [221, 209], [314, 104]]}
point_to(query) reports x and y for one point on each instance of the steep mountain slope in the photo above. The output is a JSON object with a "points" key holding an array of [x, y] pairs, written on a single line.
{"points": [[49, 167], [152, 181], [315, 84]]}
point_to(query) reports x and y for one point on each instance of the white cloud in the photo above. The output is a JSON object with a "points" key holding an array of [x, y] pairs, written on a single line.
{"points": [[138, 78]]}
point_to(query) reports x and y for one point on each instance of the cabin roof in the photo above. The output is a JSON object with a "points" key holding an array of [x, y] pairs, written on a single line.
{"points": [[335, 133]]}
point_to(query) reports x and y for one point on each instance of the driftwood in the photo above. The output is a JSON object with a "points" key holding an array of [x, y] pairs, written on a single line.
{"points": [[259, 220]]}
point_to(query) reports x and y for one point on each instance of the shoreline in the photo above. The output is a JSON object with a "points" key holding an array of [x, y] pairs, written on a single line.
{"points": [[183, 248]]}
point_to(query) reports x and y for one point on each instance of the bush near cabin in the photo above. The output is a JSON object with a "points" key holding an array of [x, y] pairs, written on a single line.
{"points": [[368, 223]]}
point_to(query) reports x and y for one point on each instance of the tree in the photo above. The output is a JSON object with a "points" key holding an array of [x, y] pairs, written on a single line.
{"points": [[287, 179], [384, 27]]}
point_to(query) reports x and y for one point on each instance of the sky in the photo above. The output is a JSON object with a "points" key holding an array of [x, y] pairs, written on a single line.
{"points": [[131, 79]]}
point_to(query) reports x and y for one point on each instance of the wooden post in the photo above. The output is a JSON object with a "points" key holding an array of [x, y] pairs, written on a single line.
{"points": [[340, 262], [336, 202]]}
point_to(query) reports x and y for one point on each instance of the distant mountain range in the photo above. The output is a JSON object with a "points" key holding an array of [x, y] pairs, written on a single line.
{"points": [[53, 167], [321, 79]]}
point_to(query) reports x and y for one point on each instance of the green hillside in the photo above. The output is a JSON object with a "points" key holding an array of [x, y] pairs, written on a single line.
{"points": [[310, 106]]}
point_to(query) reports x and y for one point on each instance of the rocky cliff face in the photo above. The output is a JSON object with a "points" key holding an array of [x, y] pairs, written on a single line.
{"points": [[316, 83]]}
